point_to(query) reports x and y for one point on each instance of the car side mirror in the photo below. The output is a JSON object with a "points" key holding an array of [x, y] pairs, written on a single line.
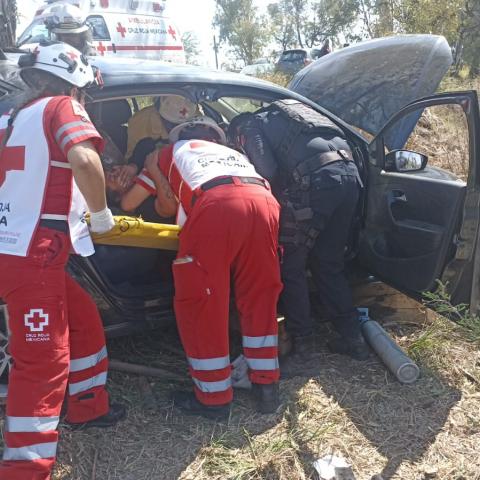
{"points": [[405, 161]]}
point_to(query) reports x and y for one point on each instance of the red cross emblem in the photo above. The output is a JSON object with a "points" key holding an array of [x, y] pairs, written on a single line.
{"points": [[121, 29], [72, 55], [172, 32], [101, 49], [183, 112], [13, 158], [36, 319]]}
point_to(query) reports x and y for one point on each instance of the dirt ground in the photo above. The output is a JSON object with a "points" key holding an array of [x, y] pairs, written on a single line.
{"points": [[357, 410]]}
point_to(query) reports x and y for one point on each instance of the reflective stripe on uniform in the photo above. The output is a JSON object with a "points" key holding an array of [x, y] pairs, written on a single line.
{"points": [[54, 163], [147, 181], [53, 216], [209, 363], [96, 381], [32, 452], [68, 126], [78, 133], [30, 424], [88, 362], [213, 387], [262, 363], [260, 342]]}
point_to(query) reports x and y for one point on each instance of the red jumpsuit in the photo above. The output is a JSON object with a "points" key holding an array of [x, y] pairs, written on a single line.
{"points": [[56, 335], [230, 233]]}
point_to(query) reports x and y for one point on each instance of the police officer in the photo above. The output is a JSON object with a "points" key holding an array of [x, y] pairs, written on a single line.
{"points": [[310, 165], [53, 174]]}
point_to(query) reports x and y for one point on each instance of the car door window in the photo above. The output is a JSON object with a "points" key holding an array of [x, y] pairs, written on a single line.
{"points": [[99, 27], [442, 135]]}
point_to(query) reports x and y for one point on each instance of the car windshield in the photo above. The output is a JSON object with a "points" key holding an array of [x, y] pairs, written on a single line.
{"points": [[240, 105], [34, 33]]}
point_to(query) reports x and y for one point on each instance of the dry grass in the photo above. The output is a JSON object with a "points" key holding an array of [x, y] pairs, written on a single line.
{"points": [[442, 134], [352, 409]]}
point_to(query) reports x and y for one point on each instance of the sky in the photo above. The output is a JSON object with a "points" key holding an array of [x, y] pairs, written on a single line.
{"points": [[188, 15]]}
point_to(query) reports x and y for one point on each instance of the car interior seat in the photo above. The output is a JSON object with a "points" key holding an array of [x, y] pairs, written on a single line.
{"points": [[114, 117]]}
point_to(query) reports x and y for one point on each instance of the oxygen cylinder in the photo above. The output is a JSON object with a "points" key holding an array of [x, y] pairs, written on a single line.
{"points": [[394, 358]]}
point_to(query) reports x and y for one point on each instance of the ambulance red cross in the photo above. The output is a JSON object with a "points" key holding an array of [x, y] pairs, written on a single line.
{"points": [[140, 29]]}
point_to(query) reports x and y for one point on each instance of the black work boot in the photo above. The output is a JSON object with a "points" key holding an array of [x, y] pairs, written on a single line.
{"points": [[302, 360], [353, 346], [267, 397], [188, 403], [116, 413]]}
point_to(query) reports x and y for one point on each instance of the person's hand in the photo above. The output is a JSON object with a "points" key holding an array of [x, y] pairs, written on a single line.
{"points": [[151, 163], [125, 174], [102, 221]]}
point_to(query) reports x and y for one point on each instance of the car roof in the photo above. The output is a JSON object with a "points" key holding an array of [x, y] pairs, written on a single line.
{"points": [[118, 73]]}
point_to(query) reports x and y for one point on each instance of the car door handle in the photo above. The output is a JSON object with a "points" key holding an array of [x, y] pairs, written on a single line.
{"points": [[396, 196]]}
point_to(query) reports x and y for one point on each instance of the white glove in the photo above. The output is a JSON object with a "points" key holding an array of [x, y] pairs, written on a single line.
{"points": [[102, 221]]}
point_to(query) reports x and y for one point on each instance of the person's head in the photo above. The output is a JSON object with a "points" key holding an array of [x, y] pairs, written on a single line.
{"points": [[235, 134], [198, 128], [68, 24], [55, 68], [176, 109]]}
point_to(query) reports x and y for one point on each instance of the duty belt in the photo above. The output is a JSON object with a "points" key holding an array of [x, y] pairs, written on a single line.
{"points": [[215, 182], [315, 162]]}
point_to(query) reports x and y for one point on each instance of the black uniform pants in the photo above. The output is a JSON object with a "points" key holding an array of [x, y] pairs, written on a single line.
{"points": [[334, 196]]}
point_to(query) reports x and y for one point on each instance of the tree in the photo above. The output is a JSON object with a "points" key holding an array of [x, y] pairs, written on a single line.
{"points": [[309, 23], [8, 22], [467, 47], [191, 47], [330, 19], [241, 28], [283, 30]]}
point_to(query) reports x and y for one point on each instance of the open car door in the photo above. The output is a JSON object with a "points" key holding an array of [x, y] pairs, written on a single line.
{"points": [[421, 221]]}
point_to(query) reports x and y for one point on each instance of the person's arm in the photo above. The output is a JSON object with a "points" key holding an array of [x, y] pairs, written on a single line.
{"points": [[134, 198], [165, 204], [88, 173]]}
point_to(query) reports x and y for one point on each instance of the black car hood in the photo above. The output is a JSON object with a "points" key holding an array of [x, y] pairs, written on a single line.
{"points": [[367, 83]]}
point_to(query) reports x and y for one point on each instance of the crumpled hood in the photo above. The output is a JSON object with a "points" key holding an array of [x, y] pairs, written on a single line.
{"points": [[367, 83]]}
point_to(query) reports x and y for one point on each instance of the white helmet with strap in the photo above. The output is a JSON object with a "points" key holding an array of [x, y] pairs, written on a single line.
{"points": [[61, 60], [65, 18], [203, 121]]}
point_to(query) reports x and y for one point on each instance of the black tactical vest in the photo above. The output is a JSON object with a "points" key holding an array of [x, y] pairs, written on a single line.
{"points": [[301, 124]]}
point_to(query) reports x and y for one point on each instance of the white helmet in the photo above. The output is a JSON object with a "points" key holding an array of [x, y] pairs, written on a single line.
{"points": [[60, 60], [177, 109], [65, 18], [201, 120]]}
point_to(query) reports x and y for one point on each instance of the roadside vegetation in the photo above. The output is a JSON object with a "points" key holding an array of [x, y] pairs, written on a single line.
{"points": [[430, 429]]}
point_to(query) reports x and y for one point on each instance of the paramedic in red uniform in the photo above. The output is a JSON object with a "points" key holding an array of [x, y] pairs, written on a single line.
{"points": [[230, 230], [50, 174]]}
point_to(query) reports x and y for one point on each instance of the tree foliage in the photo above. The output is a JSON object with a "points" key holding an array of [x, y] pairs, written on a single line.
{"points": [[308, 23], [8, 22], [191, 47], [242, 28]]}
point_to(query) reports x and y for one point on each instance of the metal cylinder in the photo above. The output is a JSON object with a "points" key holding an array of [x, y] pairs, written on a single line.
{"points": [[395, 359]]}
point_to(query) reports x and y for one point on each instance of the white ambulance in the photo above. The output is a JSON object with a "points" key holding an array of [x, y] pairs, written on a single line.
{"points": [[127, 28]]}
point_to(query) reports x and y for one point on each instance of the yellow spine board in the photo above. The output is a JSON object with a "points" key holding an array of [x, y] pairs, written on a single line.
{"points": [[134, 232]]}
